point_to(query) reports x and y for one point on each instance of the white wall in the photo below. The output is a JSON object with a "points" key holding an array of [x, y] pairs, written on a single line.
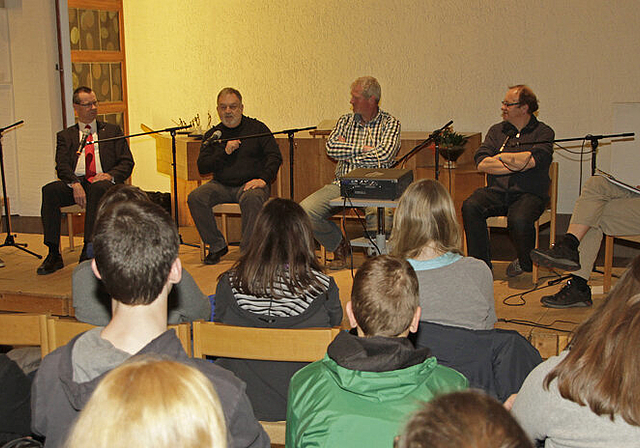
{"points": [[293, 60], [30, 90]]}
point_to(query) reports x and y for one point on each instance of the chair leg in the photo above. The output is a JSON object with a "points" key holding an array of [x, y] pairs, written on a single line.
{"points": [[608, 263], [224, 218], [70, 230], [534, 272]]}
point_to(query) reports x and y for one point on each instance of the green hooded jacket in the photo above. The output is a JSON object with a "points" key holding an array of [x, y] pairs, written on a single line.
{"points": [[332, 403]]}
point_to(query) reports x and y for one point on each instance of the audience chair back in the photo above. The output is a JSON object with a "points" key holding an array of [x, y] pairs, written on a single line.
{"points": [[271, 344], [24, 329], [548, 216], [62, 330]]}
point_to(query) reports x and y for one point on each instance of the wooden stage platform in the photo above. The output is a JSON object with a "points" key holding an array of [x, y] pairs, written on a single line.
{"points": [[21, 289]]}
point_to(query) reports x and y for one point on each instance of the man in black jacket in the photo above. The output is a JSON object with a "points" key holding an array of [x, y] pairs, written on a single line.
{"points": [[85, 173], [242, 169]]}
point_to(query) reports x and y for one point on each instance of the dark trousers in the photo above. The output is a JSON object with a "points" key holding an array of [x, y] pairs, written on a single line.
{"points": [[57, 194], [202, 199], [521, 209]]}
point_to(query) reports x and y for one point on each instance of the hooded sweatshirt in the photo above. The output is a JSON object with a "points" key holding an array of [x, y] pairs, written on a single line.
{"points": [[363, 391]]}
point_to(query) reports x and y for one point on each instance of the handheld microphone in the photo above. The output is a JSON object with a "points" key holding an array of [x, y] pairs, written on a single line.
{"points": [[83, 142], [217, 135]]}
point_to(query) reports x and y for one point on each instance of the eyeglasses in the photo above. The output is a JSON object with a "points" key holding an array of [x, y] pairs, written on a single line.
{"points": [[93, 103], [232, 107], [504, 103]]}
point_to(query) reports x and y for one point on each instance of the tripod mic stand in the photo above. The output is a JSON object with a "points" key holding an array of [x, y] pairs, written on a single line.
{"points": [[10, 240]]}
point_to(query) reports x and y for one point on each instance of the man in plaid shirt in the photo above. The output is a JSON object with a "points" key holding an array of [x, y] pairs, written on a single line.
{"points": [[366, 138]]}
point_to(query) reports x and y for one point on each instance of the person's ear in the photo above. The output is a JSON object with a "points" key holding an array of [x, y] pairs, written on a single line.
{"points": [[94, 268], [175, 274], [352, 318], [413, 327]]}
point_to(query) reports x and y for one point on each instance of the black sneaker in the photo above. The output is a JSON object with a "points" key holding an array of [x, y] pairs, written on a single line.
{"points": [[214, 257], [571, 295], [51, 264], [561, 256]]}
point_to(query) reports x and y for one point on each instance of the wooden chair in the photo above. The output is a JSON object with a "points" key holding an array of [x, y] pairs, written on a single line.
{"points": [[24, 329], [273, 344], [608, 257], [71, 211], [61, 330], [548, 216], [232, 208]]}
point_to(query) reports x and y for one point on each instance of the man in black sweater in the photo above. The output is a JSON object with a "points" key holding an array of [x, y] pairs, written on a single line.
{"points": [[242, 169], [516, 154]]}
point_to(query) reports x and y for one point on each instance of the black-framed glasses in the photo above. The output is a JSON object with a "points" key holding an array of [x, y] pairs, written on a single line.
{"points": [[93, 103], [504, 103]]}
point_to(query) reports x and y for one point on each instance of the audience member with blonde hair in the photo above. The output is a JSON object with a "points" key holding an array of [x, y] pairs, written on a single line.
{"points": [[150, 402], [454, 290], [589, 395], [466, 419], [276, 283]]}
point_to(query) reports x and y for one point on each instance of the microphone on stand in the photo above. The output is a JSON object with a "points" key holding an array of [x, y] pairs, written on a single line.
{"points": [[217, 135], [83, 142]]}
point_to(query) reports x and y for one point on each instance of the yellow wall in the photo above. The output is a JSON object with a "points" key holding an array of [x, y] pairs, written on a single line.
{"points": [[293, 60]]}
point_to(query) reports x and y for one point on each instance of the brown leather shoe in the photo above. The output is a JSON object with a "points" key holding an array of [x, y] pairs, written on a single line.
{"points": [[340, 255]]}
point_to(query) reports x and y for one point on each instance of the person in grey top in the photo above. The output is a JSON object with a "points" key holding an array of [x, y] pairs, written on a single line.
{"points": [[454, 290], [588, 395], [92, 303]]}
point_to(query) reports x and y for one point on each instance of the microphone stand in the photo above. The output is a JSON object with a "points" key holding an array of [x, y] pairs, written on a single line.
{"points": [[433, 137], [593, 139], [172, 131], [292, 145], [10, 240]]}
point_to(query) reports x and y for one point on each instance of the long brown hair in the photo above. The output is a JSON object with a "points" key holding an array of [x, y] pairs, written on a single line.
{"points": [[602, 368], [280, 251], [425, 215]]}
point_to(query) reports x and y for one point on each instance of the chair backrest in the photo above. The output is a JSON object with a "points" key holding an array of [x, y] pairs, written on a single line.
{"points": [[24, 329], [62, 330], [273, 344]]}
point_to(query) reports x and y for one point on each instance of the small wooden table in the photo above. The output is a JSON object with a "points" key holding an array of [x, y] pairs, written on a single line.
{"points": [[380, 204]]}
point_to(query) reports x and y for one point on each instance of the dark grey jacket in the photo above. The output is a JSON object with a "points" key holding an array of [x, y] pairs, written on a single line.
{"points": [[56, 400]]}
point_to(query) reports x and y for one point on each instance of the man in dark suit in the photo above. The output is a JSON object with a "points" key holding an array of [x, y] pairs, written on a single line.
{"points": [[85, 173]]}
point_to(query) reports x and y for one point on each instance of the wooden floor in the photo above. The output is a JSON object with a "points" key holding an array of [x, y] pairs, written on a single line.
{"points": [[22, 290]]}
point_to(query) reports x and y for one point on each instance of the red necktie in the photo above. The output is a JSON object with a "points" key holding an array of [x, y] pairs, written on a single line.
{"points": [[89, 157]]}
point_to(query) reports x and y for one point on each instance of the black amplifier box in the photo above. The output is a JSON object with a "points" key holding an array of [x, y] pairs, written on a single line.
{"points": [[375, 183]]}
